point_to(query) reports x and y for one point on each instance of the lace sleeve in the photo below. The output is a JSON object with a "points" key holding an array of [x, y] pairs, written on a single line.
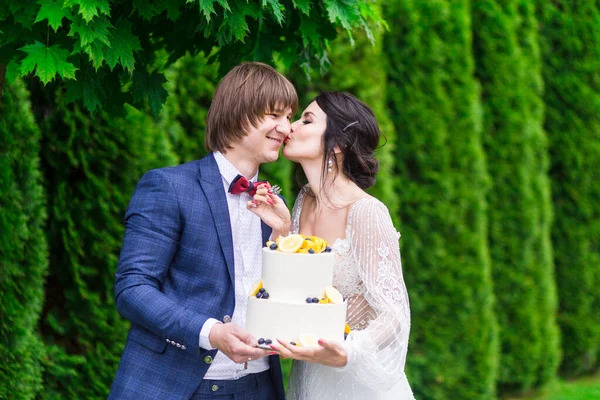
{"points": [[377, 353]]}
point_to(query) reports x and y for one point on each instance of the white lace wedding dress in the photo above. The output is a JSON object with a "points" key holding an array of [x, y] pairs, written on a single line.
{"points": [[368, 273]]}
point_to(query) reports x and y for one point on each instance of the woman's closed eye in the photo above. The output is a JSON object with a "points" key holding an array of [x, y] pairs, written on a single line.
{"points": [[305, 121]]}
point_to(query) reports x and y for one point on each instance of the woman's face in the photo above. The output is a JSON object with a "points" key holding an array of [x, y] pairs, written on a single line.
{"points": [[305, 141]]}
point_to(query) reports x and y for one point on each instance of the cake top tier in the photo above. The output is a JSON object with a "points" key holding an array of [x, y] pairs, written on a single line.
{"points": [[293, 277]]}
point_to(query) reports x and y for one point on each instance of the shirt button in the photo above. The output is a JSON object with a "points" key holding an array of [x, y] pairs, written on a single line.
{"points": [[214, 388], [208, 359]]}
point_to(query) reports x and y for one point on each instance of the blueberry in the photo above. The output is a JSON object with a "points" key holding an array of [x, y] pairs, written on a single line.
{"points": [[293, 343], [265, 295], [327, 249], [261, 341], [273, 246], [309, 300], [268, 341], [345, 336], [309, 239], [259, 295], [261, 290], [315, 300], [311, 251]]}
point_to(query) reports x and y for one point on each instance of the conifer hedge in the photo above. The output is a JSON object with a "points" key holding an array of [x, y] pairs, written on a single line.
{"points": [[23, 248], [519, 205], [91, 166], [570, 37], [433, 102]]}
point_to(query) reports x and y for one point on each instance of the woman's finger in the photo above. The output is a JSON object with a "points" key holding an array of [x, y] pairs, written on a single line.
{"points": [[263, 191], [263, 199]]}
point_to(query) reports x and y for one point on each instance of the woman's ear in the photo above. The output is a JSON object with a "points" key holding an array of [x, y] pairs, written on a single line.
{"points": [[336, 149]]}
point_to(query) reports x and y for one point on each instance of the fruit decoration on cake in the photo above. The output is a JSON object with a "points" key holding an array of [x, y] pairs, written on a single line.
{"points": [[300, 244]]}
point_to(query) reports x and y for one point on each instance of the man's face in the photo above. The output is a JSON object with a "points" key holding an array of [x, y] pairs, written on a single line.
{"points": [[263, 142]]}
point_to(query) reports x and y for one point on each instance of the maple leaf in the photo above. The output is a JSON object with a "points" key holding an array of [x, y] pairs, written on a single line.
{"points": [[53, 12], [276, 8], [122, 46], [47, 62], [302, 5], [343, 11], [207, 7], [89, 9], [97, 30], [149, 88]]}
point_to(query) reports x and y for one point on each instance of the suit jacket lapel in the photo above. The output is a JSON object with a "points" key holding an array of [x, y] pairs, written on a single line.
{"points": [[211, 183], [266, 232]]}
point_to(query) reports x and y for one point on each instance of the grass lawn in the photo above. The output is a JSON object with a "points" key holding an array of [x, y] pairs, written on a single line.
{"points": [[580, 389]]}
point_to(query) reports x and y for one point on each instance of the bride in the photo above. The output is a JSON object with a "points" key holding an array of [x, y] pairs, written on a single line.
{"points": [[334, 142]]}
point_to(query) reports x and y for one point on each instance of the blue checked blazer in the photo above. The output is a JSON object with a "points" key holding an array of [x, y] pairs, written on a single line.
{"points": [[175, 271]]}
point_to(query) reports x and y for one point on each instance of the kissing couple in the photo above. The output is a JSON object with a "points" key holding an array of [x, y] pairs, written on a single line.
{"points": [[192, 250]]}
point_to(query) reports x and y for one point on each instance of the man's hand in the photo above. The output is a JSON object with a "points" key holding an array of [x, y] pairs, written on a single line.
{"points": [[236, 343]]}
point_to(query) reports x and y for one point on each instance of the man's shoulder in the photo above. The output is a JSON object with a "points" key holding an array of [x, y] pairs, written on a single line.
{"points": [[178, 175]]}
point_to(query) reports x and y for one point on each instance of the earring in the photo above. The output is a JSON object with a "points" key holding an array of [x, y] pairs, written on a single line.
{"points": [[329, 165]]}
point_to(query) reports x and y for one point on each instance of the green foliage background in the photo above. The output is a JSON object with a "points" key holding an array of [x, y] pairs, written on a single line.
{"points": [[490, 166], [519, 204], [433, 103]]}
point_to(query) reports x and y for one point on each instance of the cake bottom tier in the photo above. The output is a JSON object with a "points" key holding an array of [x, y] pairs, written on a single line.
{"points": [[276, 320]]}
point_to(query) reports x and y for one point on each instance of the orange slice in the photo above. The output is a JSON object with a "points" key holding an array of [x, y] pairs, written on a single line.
{"points": [[347, 329], [256, 288], [290, 244], [333, 295]]}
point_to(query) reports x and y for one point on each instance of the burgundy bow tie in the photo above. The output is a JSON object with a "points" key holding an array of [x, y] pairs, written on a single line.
{"points": [[240, 185]]}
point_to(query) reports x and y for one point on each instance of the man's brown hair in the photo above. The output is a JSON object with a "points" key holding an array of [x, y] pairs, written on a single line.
{"points": [[244, 96]]}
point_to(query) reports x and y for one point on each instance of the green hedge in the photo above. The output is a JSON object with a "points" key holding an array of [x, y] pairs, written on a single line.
{"points": [[91, 166], [433, 101], [509, 69], [23, 248], [191, 85], [570, 37]]}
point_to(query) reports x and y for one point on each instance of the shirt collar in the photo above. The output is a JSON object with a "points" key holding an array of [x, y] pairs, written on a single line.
{"points": [[228, 170]]}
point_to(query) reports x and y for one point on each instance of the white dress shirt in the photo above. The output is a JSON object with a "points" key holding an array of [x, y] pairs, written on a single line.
{"points": [[247, 256]]}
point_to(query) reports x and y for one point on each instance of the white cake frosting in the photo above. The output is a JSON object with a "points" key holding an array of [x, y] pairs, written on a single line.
{"points": [[290, 279]]}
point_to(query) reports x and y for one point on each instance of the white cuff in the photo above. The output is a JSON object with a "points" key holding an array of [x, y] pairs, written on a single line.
{"points": [[205, 332], [349, 358]]}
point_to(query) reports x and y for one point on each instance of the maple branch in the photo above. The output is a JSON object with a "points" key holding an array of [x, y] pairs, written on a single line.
{"points": [[2, 76]]}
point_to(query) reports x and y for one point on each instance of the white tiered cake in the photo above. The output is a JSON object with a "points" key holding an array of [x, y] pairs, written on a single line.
{"points": [[291, 280]]}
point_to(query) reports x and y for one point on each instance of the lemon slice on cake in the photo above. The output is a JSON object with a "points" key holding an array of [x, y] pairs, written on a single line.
{"points": [[291, 243], [256, 288], [333, 295], [308, 340]]}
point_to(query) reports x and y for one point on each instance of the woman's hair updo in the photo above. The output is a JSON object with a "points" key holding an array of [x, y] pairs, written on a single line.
{"points": [[352, 127]]}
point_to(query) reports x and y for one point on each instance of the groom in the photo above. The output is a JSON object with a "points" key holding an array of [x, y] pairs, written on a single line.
{"points": [[192, 251]]}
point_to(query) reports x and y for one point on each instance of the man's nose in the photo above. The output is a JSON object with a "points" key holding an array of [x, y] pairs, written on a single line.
{"points": [[284, 127]]}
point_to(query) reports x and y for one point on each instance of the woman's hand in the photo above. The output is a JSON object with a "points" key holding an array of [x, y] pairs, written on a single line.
{"points": [[328, 353], [272, 210]]}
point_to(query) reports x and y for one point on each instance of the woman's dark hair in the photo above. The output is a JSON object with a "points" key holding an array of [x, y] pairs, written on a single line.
{"points": [[352, 127]]}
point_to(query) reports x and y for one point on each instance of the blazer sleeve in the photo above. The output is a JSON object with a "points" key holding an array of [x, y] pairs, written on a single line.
{"points": [[152, 230]]}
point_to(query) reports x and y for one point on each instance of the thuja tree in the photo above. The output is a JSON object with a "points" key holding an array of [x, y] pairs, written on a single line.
{"points": [[570, 37], [433, 101], [358, 68], [91, 166], [23, 249], [104, 49], [191, 85], [509, 69]]}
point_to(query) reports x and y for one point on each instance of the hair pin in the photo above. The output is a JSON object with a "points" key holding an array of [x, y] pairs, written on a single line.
{"points": [[350, 125]]}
